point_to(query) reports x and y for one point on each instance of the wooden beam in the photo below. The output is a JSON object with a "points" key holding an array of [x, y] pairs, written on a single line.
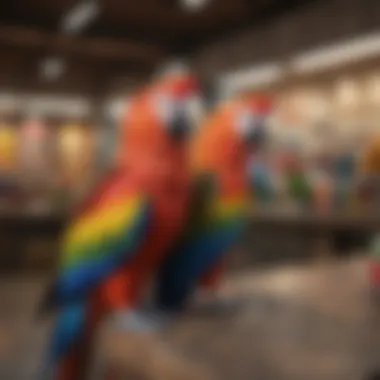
{"points": [[98, 48], [257, 14]]}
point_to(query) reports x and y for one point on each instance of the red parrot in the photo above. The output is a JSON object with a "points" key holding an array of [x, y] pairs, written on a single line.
{"points": [[123, 230], [219, 167]]}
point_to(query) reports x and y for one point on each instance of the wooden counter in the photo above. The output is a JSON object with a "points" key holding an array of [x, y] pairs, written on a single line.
{"points": [[29, 240], [292, 219], [315, 322], [318, 221]]}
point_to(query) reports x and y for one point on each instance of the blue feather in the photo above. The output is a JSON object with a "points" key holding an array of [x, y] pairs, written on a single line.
{"points": [[70, 324], [76, 282], [68, 328], [179, 275]]}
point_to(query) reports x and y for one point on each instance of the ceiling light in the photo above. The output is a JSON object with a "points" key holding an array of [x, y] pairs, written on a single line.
{"points": [[193, 5], [374, 89], [251, 78], [58, 105], [347, 93], [7, 101], [117, 108], [80, 16], [52, 68], [173, 68], [338, 54]]}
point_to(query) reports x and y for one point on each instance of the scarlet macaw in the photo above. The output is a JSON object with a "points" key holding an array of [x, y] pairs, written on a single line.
{"points": [[122, 231]]}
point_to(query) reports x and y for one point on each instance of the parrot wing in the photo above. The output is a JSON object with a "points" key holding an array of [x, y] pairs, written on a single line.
{"points": [[102, 237], [212, 228]]}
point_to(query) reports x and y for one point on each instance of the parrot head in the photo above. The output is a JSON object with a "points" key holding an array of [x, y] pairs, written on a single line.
{"points": [[177, 104], [233, 132], [251, 121], [163, 114], [156, 131]]}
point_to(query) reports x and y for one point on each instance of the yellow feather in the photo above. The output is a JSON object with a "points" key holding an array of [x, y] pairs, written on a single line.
{"points": [[229, 207], [102, 223]]}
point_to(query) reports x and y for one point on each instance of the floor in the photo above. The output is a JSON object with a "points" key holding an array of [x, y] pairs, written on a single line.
{"points": [[314, 322]]}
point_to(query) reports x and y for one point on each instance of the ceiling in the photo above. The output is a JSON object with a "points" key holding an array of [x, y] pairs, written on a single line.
{"points": [[122, 45]]}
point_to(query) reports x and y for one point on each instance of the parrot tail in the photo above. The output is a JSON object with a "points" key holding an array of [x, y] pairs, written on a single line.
{"points": [[72, 343]]}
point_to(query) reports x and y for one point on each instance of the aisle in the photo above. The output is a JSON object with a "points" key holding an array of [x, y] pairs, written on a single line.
{"points": [[315, 323]]}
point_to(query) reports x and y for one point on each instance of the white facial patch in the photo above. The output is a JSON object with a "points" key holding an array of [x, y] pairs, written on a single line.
{"points": [[244, 123], [165, 107], [194, 110]]}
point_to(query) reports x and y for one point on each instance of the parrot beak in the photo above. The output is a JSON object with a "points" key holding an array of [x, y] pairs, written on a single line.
{"points": [[180, 126], [256, 137], [187, 107], [186, 117]]}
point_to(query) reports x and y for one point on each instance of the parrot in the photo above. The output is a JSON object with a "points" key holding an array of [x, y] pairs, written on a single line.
{"points": [[219, 153], [374, 264], [370, 171], [297, 180], [261, 181], [344, 172], [121, 231]]}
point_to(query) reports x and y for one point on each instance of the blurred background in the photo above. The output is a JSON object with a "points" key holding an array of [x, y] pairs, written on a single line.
{"points": [[67, 69]]}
